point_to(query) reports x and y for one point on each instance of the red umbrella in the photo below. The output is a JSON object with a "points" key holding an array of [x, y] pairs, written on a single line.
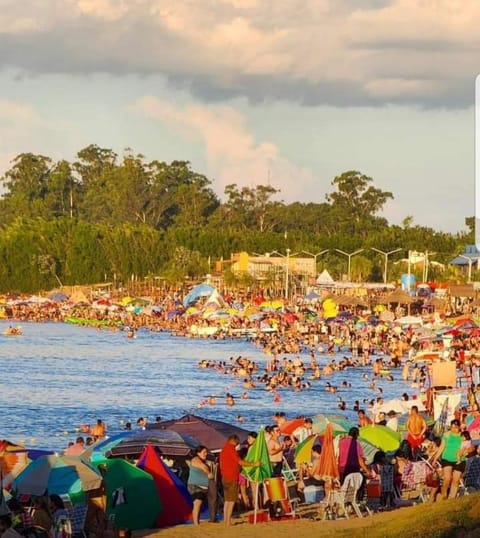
{"points": [[290, 426]]}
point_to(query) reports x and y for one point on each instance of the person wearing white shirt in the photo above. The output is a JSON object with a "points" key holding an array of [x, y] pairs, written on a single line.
{"points": [[302, 432], [392, 421]]}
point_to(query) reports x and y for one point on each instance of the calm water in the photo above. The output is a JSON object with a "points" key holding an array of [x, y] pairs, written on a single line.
{"points": [[58, 376]]}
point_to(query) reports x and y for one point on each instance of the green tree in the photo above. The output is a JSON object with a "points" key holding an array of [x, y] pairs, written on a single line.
{"points": [[25, 187], [355, 203], [247, 207]]}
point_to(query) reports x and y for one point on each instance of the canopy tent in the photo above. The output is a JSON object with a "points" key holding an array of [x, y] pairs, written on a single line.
{"points": [[176, 501], [78, 297], [325, 279], [211, 433], [201, 290], [215, 300], [132, 498]]}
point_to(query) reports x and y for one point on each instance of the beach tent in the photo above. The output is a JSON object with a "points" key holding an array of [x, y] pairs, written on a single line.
{"points": [[215, 300], [325, 279], [176, 501], [132, 499], [211, 433], [202, 290]]}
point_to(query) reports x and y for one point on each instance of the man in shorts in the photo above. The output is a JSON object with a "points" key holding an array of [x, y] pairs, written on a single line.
{"points": [[230, 464]]}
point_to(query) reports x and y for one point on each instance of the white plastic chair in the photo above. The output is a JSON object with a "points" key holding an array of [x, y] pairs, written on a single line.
{"points": [[341, 501]]}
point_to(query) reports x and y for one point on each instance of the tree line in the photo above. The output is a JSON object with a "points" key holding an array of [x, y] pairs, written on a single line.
{"points": [[108, 217]]}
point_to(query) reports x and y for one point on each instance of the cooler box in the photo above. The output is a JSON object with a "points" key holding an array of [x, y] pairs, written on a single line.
{"points": [[313, 494]]}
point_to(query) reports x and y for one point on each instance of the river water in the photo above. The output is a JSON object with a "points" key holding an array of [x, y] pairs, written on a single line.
{"points": [[57, 376]]}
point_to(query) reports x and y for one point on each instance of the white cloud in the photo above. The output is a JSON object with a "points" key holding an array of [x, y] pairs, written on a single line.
{"points": [[311, 51], [232, 153]]}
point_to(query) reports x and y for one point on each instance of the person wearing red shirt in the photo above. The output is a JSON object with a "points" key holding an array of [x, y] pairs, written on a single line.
{"points": [[230, 464]]}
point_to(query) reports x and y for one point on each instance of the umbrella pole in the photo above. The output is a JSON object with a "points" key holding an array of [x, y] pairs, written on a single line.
{"points": [[255, 504]]}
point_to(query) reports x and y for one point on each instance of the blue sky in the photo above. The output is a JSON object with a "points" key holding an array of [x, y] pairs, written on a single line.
{"points": [[254, 91]]}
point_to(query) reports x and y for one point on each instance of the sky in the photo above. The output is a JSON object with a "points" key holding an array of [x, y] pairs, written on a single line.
{"points": [[289, 93]]}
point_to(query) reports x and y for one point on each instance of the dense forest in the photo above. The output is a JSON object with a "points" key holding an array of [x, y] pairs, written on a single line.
{"points": [[110, 218]]}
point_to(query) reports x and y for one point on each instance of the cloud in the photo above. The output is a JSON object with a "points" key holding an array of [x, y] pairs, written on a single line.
{"points": [[308, 51], [232, 153]]}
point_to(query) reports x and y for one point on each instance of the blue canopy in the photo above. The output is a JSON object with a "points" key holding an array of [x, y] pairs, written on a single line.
{"points": [[202, 290]]}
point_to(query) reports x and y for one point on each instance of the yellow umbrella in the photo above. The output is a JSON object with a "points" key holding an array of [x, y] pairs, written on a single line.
{"points": [[303, 452]]}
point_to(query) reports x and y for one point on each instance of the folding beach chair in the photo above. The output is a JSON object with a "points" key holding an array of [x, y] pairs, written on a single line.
{"points": [[413, 485], [281, 499], [471, 477], [79, 517]]}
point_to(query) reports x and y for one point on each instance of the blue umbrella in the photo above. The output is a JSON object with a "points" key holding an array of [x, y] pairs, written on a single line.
{"points": [[96, 453], [57, 474]]}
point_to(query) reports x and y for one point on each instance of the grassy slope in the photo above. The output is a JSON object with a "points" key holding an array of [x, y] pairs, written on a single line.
{"points": [[444, 519]]}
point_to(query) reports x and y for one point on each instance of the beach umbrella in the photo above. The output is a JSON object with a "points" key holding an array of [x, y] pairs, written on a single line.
{"points": [[328, 466], [258, 452], [368, 449], [97, 453], [291, 425], [339, 424], [382, 437], [57, 474], [303, 451], [272, 305], [211, 433], [170, 443], [474, 428], [13, 459]]}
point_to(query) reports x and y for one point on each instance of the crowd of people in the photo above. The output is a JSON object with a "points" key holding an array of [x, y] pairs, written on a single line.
{"points": [[304, 349]]}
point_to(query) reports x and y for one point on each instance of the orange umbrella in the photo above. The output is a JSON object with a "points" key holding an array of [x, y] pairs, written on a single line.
{"points": [[13, 459], [328, 466]]}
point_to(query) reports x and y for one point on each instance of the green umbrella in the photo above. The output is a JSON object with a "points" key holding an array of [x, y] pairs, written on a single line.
{"points": [[258, 452], [382, 437], [132, 498]]}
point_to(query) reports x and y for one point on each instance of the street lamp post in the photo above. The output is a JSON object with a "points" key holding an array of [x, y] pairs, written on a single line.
{"points": [[386, 254], [287, 267], [315, 256], [286, 274], [470, 262], [349, 256]]}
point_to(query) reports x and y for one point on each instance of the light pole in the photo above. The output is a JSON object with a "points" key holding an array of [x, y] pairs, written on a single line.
{"points": [[386, 254], [470, 262], [287, 267], [315, 256], [286, 274], [349, 256]]}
